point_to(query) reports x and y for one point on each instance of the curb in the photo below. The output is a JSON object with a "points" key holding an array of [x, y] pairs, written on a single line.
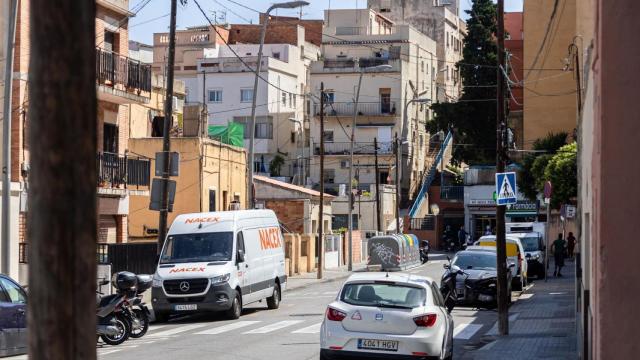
{"points": [[325, 281]]}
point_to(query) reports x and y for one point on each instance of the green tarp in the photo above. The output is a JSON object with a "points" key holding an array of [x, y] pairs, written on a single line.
{"points": [[232, 134]]}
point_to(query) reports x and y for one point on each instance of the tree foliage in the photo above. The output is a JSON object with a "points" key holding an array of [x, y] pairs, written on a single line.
{"points": [[275, 165], [473, 118], [562, 171], [531, 178]]}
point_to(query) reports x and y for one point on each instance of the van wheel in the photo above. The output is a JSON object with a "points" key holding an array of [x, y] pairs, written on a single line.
{"points": [[236, 308], [273, 302]]}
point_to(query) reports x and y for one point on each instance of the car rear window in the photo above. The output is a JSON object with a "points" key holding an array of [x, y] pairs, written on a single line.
{"points": [[391, 295]]}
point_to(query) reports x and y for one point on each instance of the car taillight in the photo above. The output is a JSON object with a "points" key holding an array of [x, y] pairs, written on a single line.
{"points": [[425, 320], [335, 315]]}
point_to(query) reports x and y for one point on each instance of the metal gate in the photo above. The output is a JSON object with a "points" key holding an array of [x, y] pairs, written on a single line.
{"points": [[136, 258]]}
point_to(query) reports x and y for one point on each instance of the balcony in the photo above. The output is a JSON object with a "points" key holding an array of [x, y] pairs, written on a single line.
{"points": [[383, 108], [351, 65], [120, 174], [121, 80], [452, 193], [359, 148], [119, 6]]}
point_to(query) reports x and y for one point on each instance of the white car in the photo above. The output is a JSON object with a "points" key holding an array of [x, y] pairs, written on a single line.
{"points": [[387, 316]]}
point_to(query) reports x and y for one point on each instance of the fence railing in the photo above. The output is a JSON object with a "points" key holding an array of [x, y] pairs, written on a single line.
{"points": [[452, 192], [339, 63], [115, 69], [359, 148], [425, 223], [115, 170], [364, 108], [23, 253]]}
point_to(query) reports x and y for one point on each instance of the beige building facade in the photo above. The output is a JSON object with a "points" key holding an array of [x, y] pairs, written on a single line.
{"points": [[212, 178], [549, 87]]}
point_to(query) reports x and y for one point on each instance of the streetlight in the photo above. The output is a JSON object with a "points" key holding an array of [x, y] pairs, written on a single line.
{"points": [[353, 130], [301, 157], [252, 130]]}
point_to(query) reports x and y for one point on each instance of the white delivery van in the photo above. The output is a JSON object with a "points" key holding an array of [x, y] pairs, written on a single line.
{"points": [[220, 261]]}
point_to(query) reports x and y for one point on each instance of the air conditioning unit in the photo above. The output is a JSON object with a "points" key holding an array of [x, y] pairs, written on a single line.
{"points": [[344, 164]]}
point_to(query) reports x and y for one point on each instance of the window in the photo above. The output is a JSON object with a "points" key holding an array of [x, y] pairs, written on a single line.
{"points": [[246, 95], [215, 96], [341, 221], [264, 131], [110, 138], [276, 55], [294, 100], [329, 97], [328, 136], [422, 66], [13, 291], [240, 242], [212, 200], [329, 176], [383, 295], [198, 247], [290, 100], [284, 99]]}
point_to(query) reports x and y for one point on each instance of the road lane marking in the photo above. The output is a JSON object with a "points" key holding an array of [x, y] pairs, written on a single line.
{"points": [[525, 296], [273, 327], [465, 331], [313, 329], [110, 352], [177, 330], [228, 327]]}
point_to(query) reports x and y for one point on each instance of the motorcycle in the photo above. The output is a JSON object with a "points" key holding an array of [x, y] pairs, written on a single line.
{"points": [[448, 285], [135, 308], [424, 251], [113, 327]]}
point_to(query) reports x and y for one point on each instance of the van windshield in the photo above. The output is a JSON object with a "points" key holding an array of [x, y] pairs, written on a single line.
{"points": [[203, 247], [530, 243]]}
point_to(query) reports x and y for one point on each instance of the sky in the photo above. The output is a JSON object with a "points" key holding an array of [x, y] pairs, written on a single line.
{"points": [[154, 17]]}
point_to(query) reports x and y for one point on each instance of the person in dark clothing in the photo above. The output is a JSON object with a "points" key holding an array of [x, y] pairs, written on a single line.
{"points": [[571, 244], [462, 236], [559, 247]]}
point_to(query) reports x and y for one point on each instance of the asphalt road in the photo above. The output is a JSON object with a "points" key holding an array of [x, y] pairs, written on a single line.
{"points": [[289, 333]]}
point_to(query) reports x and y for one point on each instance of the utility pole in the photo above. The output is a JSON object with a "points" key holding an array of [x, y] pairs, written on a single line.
{"points": [[378, 214], [350, 185], [62, 193], [205, 110], [501, 247], [396, 148], [6, 139], [166, 139], [320, 246]]}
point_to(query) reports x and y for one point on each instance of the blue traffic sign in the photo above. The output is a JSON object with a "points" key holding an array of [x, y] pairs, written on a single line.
{"points": [[506, 189]]}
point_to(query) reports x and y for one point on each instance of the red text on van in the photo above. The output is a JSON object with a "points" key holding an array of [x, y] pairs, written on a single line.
{"points": [[270, 238]]}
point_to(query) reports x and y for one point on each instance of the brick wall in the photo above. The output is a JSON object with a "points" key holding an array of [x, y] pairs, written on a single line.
{"points": [[289, 212], [121, 228], [313, 28], [250, 34]]}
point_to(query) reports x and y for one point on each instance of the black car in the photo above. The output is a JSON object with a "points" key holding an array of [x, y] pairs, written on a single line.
{"points": [[13, 318], [476, 282]]}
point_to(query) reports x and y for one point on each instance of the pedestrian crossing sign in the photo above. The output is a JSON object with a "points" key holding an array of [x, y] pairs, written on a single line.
{"points": [[506, 188]]}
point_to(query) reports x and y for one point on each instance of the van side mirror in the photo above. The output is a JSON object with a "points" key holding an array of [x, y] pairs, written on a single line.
{"points": [[446, 266], [511, 265], [240, 256]]}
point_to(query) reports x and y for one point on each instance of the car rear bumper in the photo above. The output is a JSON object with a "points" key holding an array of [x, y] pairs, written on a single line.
{"points": [[358, 355], [218, 298]]}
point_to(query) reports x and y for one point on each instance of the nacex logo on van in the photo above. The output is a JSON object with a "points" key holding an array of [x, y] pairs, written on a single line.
{"points": [[202, 220], [193, 269], [270, 238]]}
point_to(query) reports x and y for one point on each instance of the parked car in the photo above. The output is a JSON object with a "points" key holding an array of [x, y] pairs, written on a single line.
{"points": [[475, 277], [387, 316], [515, 254], [534, 248], [218, 262], [13, 317]]}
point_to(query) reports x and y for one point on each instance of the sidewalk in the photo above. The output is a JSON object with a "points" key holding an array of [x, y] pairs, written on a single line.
{"points": [[328, 275], [541, 324]]}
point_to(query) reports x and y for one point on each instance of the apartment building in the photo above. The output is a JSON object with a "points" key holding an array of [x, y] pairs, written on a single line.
{"points": [[120, 82], [357, 42], [439, 20], [514, 45]]}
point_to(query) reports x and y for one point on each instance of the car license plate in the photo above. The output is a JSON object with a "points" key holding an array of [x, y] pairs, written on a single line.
{"points": [[483, 297], [373, 344], [187, 307]]}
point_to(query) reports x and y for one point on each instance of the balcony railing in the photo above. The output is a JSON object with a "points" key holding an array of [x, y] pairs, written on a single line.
{"points": [[425, 223], [386, 108], [120, 171], [359, 148], [455, 193], [113, 69], [339, 63]]}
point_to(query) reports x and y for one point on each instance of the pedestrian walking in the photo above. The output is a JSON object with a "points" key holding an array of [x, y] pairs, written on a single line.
{"points": [[559, 247], [571, 244], [462, 235], [488, 231]]}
